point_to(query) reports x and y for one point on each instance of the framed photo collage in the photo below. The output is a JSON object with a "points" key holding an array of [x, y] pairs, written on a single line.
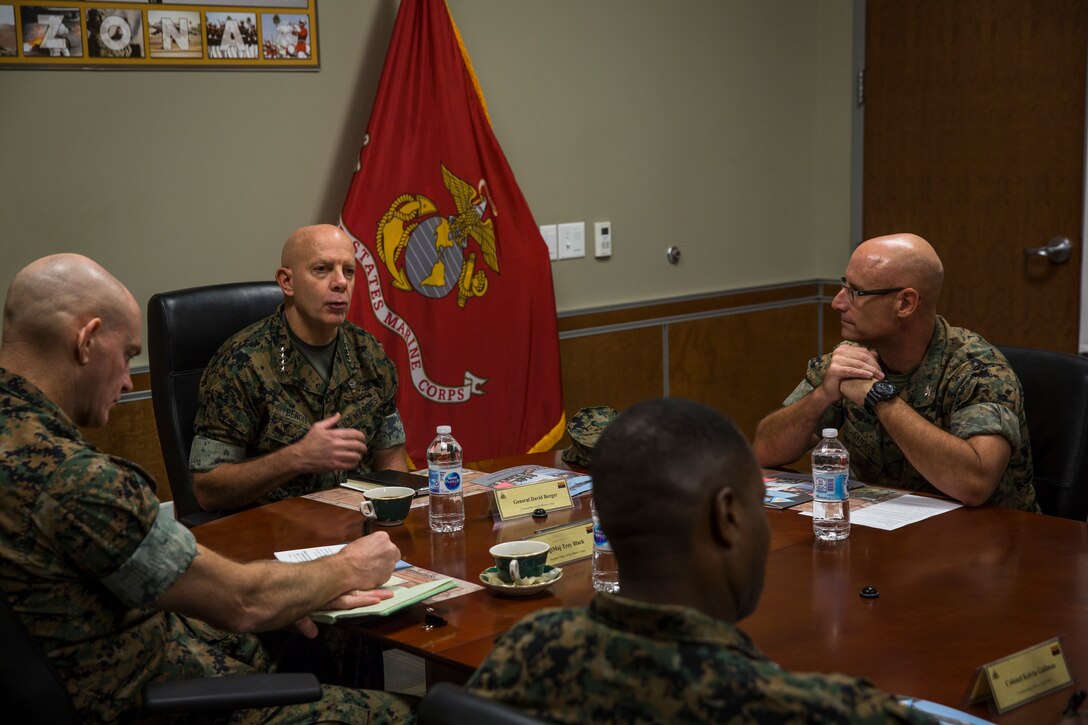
{"points": [[265, 35]]}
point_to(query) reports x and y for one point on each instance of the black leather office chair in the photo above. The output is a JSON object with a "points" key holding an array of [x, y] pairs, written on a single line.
{"points": [[184, 329], [447, 704], [31, 690], [29, 686], [1056, 405]]}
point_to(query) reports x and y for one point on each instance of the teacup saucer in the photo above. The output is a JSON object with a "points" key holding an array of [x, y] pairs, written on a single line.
{"points": [[490, 578]]}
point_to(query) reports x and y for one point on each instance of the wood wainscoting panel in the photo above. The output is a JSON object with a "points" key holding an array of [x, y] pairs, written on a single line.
{"points": [[616, 368], [699, 305], [131, 433], [744, 365]]}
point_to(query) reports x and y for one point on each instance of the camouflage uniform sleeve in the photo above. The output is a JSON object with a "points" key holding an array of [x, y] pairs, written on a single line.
{"points": [[833, 416], [391, 432], [226, 422], [986, 401], [159, 561], [803, 388], [105, 519], [207, 453], [828, 697]]}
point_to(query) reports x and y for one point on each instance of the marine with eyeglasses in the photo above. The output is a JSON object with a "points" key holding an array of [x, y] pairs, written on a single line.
{"points": [[921, 405]]}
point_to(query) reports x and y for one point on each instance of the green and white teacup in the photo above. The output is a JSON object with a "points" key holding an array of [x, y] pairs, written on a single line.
{"points": [[388, 505], [516, 560]]}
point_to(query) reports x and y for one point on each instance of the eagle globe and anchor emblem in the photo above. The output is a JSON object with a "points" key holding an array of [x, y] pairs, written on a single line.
{"points": [[425, 251]]}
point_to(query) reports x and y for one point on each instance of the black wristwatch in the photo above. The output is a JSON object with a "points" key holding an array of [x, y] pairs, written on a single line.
{"points": [[880, 391]]}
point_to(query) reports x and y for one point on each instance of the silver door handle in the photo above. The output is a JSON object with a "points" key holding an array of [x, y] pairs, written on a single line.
{"points": [[1057, 251]]}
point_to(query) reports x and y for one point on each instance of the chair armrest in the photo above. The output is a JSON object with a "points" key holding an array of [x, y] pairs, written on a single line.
{"points": [[199, 517], [229, 693], [446, 704]]}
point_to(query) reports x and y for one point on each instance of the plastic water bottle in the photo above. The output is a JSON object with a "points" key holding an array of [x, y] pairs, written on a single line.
{"points": [[447, 508], [606, 572], [831, 488]]}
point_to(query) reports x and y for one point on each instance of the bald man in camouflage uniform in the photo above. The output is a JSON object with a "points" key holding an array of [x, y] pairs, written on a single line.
{"points": [[292, 402], [100, 576], [681, 497], [921, 405]]}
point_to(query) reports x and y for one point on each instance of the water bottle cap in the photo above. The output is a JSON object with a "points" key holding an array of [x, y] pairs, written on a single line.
{"points": [[443, 430], [830, 433]]}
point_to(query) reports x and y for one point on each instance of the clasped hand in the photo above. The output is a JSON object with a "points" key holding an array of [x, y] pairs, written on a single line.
{"points": [[851, 373]]}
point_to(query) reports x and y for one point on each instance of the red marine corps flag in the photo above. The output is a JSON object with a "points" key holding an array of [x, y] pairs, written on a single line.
{"points": [[455, 280]]}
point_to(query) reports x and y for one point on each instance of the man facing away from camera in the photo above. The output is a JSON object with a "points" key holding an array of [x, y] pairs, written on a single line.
{"points": [[680, 495]]}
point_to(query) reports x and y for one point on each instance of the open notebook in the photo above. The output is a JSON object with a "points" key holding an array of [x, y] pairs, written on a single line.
{"points": [[405, 593]]}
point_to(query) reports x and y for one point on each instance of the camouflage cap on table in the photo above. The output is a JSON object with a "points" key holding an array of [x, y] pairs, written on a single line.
{"points": [[585, 427]]}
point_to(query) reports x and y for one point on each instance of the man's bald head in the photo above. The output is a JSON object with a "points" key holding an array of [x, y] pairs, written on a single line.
{"points": [[300, 246], [902, 260], [71, 329], [58, 293], [317, 276]]}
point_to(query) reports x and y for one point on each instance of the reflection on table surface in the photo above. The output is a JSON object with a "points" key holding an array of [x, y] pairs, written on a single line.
{"points": [[957, 591]]}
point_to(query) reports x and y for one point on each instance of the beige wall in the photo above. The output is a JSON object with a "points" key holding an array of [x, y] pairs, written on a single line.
{"points": [[719, 126]]}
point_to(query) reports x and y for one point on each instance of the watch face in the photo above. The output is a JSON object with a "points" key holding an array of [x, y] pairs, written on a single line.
{"points": [[884, 389]]}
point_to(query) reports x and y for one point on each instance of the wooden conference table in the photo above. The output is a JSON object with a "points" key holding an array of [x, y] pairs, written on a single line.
{"points": [[957, 591]]}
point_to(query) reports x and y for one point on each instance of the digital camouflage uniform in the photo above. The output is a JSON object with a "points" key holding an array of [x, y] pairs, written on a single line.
{"points": [[622, 661], [964, 386], [259, 394], [85, 551]]}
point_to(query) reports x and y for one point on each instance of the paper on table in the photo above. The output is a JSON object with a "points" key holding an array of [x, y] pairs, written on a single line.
{"points": [[408, 571], [899, 511], [316, 552]]}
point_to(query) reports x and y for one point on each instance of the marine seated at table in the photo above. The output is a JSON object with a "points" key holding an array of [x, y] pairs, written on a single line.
{"points": [[117, 593], [680, 496], [920, 404], [292, 402]]}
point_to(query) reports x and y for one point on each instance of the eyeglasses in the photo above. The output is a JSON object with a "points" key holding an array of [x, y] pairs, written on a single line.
{"points": [[855, 293]]}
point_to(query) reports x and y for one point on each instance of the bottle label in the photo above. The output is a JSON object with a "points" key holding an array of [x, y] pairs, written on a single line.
{"points": [[600, 541], [829, 486], [442, 481]]}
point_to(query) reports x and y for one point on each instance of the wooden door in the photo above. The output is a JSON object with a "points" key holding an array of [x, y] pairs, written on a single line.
{"points": [[974, 139]]}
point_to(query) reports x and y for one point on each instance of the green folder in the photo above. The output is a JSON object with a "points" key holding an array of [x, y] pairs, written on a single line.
{"points": [[402, 597]]}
